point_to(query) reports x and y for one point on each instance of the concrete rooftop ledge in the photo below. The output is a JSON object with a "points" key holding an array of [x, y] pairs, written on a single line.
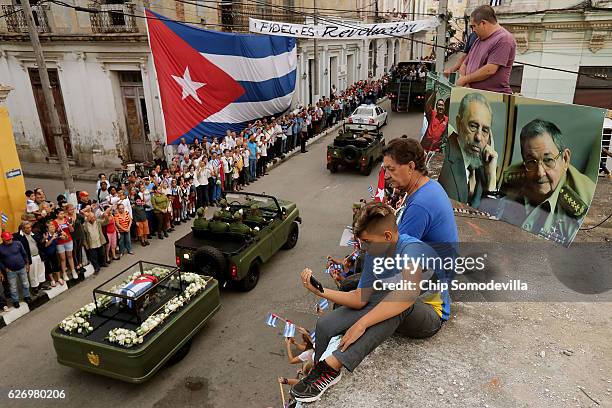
{"points": [[490, 355]]}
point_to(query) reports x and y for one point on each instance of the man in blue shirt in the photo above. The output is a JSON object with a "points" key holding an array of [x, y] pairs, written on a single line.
{"points": [[252, 145], [13, 261], [426, 213], [390, 297]]}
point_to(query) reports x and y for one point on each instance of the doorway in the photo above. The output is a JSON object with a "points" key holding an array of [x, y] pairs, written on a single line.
{"points": [[135, 110], [350, 69], [311, 69], [41, 107], [333, 72]]}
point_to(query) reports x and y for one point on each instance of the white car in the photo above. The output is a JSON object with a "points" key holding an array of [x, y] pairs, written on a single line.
{"points": [[367, 117]]}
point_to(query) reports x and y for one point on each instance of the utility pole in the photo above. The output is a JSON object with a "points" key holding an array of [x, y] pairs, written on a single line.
{"points": [[412, 35], [316, 57], [49, 101], [375, 56], [441, 37]]}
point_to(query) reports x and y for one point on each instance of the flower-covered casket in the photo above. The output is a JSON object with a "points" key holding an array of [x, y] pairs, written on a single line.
{"points": [[138, 320]]}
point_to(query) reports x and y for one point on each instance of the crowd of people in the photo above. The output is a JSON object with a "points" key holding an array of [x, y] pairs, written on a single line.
{"points": [[411, 72], [48, 248]]}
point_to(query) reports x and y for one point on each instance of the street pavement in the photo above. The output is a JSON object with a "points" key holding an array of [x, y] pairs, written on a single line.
{"points": [[497, 354], [235, 359]]}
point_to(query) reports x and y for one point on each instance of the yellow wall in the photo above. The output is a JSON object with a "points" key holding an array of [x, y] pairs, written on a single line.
{"points": [[12, 189]]}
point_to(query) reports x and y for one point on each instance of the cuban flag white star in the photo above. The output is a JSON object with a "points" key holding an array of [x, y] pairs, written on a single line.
{"points": [[380, 195], [190, 87]]}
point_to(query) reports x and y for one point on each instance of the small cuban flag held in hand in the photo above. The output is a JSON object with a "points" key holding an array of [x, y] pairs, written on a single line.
{"points": [[323, 304], [289, 329], [371, 191], [271, 319]]}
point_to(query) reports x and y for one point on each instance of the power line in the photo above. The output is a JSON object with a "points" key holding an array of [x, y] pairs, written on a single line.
{"points": [[20, 10], [287, 7], [89, 10], [595, 226], [448, 48], [11, 13]]}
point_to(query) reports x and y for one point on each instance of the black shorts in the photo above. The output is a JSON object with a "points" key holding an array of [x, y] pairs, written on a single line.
{"points": [[52, 264]]}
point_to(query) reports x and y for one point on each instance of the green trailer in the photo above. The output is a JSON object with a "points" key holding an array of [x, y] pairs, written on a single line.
{"points": [[167, 342]]}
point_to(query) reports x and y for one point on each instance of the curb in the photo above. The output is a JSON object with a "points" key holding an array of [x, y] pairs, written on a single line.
{"points": [[317, 138], [308, 143], [57, 176], [94, 177], [6, 318]]}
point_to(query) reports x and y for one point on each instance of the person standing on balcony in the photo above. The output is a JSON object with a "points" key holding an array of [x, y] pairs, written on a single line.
{"points": [[489, 62]]}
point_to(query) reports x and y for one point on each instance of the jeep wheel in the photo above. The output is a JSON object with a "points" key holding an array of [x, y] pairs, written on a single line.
{"points": [[367, 170], [210, 261], [180, 354], [292, 238], [250, 280]]}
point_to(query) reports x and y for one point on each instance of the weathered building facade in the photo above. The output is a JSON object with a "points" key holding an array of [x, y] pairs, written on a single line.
{"points": [[570, 35], [103, 79]]}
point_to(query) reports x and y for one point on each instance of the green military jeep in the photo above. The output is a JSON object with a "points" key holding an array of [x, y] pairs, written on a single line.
{"points": [[357, 149], [236, 257]]}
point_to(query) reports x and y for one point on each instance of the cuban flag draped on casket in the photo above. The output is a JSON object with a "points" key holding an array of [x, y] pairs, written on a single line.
{"points": [[211, 81], [135, 288]]}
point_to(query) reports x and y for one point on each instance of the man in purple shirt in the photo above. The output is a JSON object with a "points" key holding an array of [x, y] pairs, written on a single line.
{"points": [[489, 62]]}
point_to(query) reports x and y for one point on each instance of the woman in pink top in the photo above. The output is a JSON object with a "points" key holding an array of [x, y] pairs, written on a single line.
{"points": [[111, 233], [63, 226]]}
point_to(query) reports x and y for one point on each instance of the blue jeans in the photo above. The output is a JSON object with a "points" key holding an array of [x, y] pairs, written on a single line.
{"points": [[125, 242], [151, 220], [2, 297], [12, 278], [253, 168], [294, 141], [216, 191]]}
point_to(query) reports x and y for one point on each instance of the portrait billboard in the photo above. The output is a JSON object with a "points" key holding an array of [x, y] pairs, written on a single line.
{"points": [[529, 162]]}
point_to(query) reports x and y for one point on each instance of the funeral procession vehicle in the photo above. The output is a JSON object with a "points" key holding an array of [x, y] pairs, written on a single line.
{"points": [[357, 149], [365, 116], [140, 320], [232, 246], [406, 90]]}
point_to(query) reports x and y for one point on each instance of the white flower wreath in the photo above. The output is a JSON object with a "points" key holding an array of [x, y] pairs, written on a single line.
{"points": [[128, 338], [77, 322]]}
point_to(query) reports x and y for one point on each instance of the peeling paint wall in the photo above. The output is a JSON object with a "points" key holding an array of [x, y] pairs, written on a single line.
{"points": [[92, 98]]}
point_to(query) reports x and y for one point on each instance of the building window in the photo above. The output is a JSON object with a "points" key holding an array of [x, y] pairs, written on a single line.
{"points": [[15, 19], [516, 78], [263, 8], [226, 12], [396, 52], [594, 89], [115, 16]]}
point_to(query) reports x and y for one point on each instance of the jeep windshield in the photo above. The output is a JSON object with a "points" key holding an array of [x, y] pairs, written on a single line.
{"points": [[266, 204]]}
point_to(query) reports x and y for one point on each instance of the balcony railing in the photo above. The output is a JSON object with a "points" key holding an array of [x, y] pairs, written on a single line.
{"points": [[113, 18], [16, 22], [235, 16]]}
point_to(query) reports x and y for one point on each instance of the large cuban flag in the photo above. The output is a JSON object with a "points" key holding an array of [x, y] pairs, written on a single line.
{"points": [[211, 81]]}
